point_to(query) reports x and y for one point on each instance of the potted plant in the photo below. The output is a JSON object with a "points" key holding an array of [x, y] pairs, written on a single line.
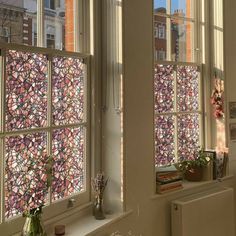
{"points": [[193, 169]]}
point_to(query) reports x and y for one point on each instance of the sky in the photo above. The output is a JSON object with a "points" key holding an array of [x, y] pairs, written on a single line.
{"points": [[175, 4]]}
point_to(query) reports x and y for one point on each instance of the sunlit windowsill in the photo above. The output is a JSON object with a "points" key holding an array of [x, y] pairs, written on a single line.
{"points": [[188, 186], [81, 222], [87, 225]]}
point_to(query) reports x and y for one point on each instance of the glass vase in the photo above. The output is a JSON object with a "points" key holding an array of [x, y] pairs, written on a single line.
{"points": [[33, 226], [98, 209]]}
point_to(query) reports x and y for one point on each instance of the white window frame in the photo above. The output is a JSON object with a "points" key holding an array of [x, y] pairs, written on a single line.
{"points": [[82, 18]]}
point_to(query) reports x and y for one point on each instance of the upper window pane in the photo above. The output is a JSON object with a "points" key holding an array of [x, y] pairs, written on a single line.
{"points": [[18, 23], [16, 19], [182, 8], [160, 37], [182, 34], [54, 24], [159, 4], [26, 90]]}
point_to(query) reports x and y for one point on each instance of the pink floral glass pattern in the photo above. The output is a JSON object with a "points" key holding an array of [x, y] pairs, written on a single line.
{"points": [[164, 88], [68, 154], [67, 90], [187, 88], [188, 135], [164, 140], [25, 173], [26, 88]]}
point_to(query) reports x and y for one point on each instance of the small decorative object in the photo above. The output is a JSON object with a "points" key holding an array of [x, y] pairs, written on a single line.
{"points": [[217, 98], [60, 230], [33, 226], [193, 169], [99, 184]]}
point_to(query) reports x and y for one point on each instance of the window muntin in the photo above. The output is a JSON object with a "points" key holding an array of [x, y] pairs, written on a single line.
{"points": [[178, 112]]}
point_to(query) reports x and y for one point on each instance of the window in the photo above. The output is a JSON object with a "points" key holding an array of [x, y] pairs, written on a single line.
{"points": [[161, 32], [44, 110], [179, 19], [178, 114], [4, 34], [45, 115], [161, 55], [177, 82], [50, 36], [49, 4]]}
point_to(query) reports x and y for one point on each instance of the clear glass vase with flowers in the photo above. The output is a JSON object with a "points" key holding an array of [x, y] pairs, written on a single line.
{"points": [[99, 184]]}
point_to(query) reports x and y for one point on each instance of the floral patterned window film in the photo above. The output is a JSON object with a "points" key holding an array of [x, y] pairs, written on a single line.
{"points": [[177, 113], [25, 173], [164, 140], [69, 163], [187, 88], [44, 119], [164, 88], [26, 89], [68, 90], [188, 135]]}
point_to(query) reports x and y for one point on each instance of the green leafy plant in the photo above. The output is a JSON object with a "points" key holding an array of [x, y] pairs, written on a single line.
{"points": [[201, 160]]}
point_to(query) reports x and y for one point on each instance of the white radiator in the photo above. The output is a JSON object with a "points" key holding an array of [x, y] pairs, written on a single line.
{"points": [[209, 213]]}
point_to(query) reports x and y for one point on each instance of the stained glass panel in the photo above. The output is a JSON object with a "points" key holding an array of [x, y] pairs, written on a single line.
{"points": [[67, 90], [26, 88], [187, 88], [164, 88], [188, 135], [164, 140], [25, 176], [68, 170]]}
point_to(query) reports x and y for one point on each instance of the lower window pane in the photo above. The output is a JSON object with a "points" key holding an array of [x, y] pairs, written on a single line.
{"points": [[188, 135], [25, 173], [164, 140], [69, 163]]}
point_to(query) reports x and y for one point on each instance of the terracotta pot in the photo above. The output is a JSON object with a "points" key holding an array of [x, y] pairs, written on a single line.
{"points": [[194, 174]]}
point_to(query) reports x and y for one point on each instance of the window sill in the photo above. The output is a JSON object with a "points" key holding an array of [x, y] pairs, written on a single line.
{"points": [[188, 186], [87, 225], [81, 222]]}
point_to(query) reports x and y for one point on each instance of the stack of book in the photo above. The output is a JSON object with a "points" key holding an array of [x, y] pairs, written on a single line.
{"points": [[168, 179]]}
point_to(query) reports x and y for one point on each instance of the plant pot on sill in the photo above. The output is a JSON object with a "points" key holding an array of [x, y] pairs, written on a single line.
{"points": [[194, 174]]}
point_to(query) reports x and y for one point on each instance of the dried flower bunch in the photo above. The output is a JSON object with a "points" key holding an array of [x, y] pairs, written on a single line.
{"points": [[217, 98], [99, 184]]}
